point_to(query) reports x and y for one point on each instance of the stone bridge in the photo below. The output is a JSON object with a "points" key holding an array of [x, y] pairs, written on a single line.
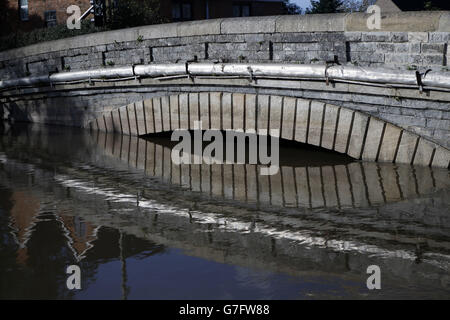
{"points": [[354, 133], [399, 115]]}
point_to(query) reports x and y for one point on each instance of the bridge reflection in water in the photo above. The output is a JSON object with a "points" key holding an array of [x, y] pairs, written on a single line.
{"points": [[352, 185], [320, 222]]}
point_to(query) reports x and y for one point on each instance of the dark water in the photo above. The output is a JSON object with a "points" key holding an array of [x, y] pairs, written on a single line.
{"points": [[141, 227]]}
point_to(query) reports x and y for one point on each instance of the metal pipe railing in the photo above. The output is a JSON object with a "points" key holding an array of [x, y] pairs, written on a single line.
{"points": [[364, 75]]}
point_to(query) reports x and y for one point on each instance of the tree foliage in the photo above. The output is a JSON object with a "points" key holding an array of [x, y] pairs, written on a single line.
{"points": [[325, 6], [356, 5], [132, 13], [429, 6], [291, 8], [60, 31]]}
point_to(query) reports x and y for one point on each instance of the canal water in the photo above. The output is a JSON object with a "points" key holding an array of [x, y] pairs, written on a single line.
{"points": [[141, 227]]}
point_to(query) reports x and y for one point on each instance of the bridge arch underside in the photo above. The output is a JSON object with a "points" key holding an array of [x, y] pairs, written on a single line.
{"points": [[359, 135]]}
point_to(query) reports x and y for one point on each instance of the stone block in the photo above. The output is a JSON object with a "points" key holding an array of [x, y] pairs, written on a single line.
{"points": [[238, 111], [157, 114], [165, 113], [302, 120], [373, 139], [438, 124], [377, 36], [406, 148], [424, 153], [329, 126], [248, 25], [194, 110], [124, 120], [417, 36], [204, 110], [343, 130], [315, 123], [399, 36], [389, 143], [184, 111], [216, 110], [149, 118], [433, 48], [227, 111], [441, 158], [250, 112], [289, 108], [357, 138], [116, 121], [174, 112], [276, 109], [311, 23], [439, 37], [140, 118], [198, 28], [262, 114]]}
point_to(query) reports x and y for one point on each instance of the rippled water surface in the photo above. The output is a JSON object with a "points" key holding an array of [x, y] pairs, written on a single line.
{"points": [[140, 226]]}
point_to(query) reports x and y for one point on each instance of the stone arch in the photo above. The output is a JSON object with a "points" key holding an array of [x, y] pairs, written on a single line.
{"points": [[359, 135]]}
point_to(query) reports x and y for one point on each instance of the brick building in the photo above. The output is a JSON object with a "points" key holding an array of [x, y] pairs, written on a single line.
{"points": [[181, 10], [412, 5], [30, 14]]}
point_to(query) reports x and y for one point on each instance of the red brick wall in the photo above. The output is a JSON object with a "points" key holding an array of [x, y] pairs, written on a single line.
{"points": [[38, 7], [223, 8], [36, 10]]}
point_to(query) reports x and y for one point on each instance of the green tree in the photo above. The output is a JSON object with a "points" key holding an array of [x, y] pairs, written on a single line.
{"points": [[325, 6], [356, 5], [428, 5], [291, 8], [132, 13]]}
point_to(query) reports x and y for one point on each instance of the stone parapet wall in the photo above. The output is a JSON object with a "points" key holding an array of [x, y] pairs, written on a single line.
{"points": [[406, 40]]}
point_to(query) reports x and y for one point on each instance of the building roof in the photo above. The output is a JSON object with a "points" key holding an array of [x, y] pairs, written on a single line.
{"points": [[412, 5], [388, 6]]}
